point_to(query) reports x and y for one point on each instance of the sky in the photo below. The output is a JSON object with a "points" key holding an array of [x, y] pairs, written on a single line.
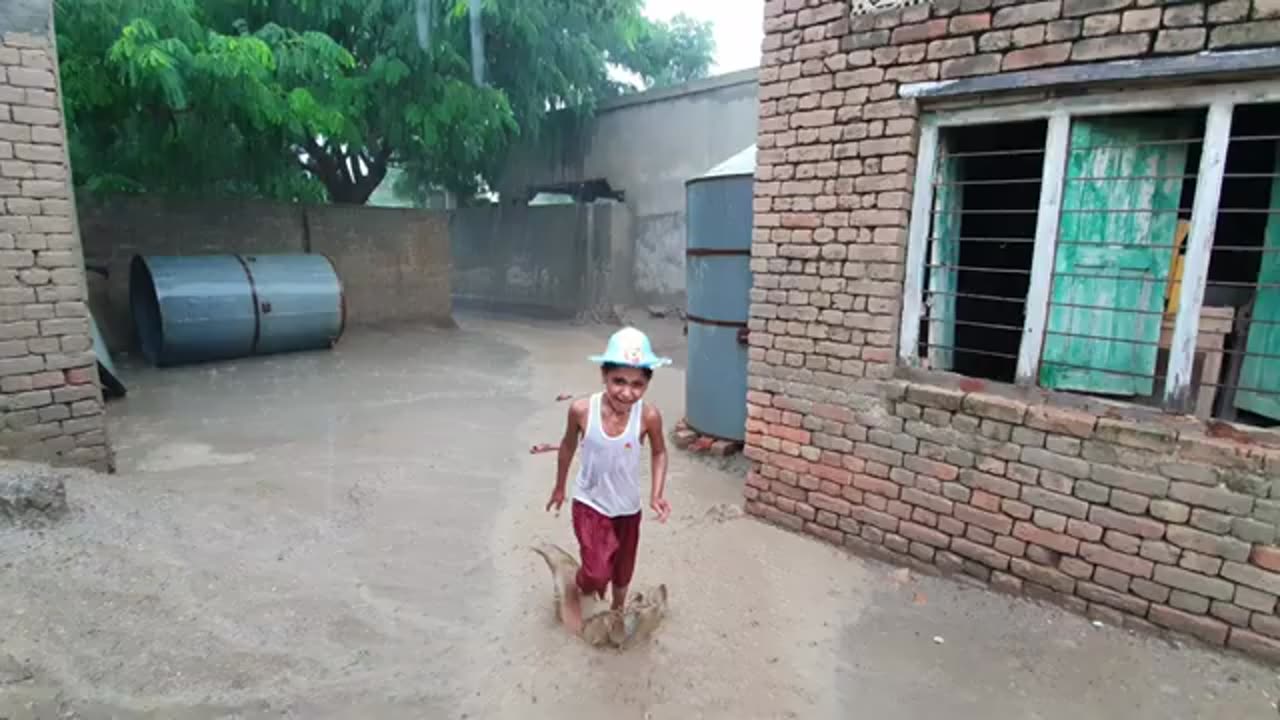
{"points": [[739, 27]]}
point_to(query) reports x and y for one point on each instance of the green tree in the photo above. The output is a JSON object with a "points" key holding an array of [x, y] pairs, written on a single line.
{"points": [[312, 99], [670, 53]]}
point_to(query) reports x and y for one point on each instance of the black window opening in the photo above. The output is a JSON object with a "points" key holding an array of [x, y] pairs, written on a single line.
{"points": [[981, 243]]}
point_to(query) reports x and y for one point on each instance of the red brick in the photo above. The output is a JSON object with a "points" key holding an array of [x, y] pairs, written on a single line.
{"points": [[1266, 557], [830, 504], [950, 526], [932, 468], [990, 483], [834, 412], [927, 500], [980, 536], [986, 64], [925, 517], [1061, 421], [899, 509], [831, 535], [1106, 557], [1207, 629], [1141, 526], [980, 553], [1041, 575], [1254, 644], [1076, 568], [1010, 546], [1027, 13], [881, 520], [871, 484], [1083, 531], [1037, 57], [1112, 46], [81, 376], [999, 524], [1006, 583], [1122, 542], [985, 501], [907, 34], [1054, 541], [923, 534], [972, 23], [834, 474]]}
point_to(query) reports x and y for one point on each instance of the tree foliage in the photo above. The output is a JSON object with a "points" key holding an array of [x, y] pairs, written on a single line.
{"points": [[315, 99]]}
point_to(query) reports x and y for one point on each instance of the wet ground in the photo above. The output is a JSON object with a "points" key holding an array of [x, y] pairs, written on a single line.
{"points": [[345, 535]]}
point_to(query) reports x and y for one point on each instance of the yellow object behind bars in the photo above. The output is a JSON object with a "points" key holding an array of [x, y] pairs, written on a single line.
{"points": [[1175, 276]]}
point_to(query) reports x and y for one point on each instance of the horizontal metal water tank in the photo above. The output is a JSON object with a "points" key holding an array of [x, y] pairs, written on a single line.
{"points": [[718, 268], [217, 307]]}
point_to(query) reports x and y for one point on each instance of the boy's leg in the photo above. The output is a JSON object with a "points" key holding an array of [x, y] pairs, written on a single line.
{"points": [[597, 546], [627, 530]]}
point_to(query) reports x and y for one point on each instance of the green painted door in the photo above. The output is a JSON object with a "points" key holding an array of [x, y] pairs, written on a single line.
{"points": [[1113, 259], [944, 256], [1259, 371]]}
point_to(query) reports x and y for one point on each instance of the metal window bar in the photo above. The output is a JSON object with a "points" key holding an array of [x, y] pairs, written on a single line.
{"points": [[1194, 290], [1119, 226], [1237, 374], [975, 281]]}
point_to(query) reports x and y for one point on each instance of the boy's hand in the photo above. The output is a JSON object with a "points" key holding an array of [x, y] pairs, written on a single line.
{"points": [[557, 499], [662, 507]]}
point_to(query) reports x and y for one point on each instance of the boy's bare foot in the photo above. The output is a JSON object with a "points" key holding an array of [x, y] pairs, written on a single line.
{"points": [[571, 607]]}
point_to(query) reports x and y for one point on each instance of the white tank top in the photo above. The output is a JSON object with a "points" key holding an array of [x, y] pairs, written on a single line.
{"points": [[609, 468]]}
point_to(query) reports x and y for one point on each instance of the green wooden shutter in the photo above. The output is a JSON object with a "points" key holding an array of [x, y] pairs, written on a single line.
{"points": [[1122, 282], [944, 251], [1260, 372]]}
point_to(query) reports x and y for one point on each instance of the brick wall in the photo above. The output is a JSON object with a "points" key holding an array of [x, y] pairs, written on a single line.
{"points": [[49, 396], [1129, 516]]}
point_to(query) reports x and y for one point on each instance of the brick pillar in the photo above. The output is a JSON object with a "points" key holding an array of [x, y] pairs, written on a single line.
{"points": [[49, 394]]}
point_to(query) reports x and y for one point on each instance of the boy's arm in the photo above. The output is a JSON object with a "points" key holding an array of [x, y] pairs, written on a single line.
{"points": [[658, 452], [568, 446]]}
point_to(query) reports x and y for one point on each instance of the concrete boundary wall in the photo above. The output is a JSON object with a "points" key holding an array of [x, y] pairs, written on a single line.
{"points": [[646, 146], [394, 264], [1132, 516], [554, 261]]}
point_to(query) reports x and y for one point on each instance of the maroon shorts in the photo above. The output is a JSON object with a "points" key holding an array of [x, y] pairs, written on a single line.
{"points": [[607, 546]]}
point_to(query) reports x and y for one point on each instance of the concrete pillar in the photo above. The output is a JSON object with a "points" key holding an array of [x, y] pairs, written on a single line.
{"points": [[51, 405]]}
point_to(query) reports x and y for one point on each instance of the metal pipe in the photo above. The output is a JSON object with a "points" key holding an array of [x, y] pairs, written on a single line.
{"points": [[218, 307]]}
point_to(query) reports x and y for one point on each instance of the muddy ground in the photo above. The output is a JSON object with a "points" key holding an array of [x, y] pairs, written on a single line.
{"points": [[344, 535]]}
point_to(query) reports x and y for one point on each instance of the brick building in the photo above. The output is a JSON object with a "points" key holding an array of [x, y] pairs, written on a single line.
{"points": [[1016, 303], [50, 403]]}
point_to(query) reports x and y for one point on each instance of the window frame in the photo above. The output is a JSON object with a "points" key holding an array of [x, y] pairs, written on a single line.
{"points": [[1218, 100]]}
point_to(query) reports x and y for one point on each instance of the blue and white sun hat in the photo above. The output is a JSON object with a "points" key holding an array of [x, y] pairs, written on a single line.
{"points": [[631, 348]]}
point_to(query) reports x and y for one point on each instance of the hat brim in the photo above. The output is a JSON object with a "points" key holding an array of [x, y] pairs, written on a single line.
{"points": [[650, 364]]}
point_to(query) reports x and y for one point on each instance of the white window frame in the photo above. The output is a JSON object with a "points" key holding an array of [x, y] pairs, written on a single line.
{"points": [[1219, 100]]}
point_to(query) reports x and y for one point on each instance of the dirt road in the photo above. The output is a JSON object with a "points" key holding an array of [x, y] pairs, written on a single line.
{"points": [[346, 534]]}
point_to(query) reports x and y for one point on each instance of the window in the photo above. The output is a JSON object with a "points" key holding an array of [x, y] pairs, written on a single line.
{"points": [[1124, 247]]}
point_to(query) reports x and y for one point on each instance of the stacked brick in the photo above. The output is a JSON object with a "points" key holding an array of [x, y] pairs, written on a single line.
{"points": [[52, 405], [1128, 520], [1148, 522]]}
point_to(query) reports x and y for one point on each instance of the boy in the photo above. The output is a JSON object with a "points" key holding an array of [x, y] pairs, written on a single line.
{"points": [[612, 426]]}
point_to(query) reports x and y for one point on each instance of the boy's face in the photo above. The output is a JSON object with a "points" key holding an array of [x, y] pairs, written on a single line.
{"points": [[625, 386]]}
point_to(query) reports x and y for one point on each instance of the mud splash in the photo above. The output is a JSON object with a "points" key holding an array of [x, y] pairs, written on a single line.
{"points": [[619, 630]]}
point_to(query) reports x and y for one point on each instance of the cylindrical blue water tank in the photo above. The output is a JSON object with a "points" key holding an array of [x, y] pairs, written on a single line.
{"points": [[718, 267], [217, 307]]}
